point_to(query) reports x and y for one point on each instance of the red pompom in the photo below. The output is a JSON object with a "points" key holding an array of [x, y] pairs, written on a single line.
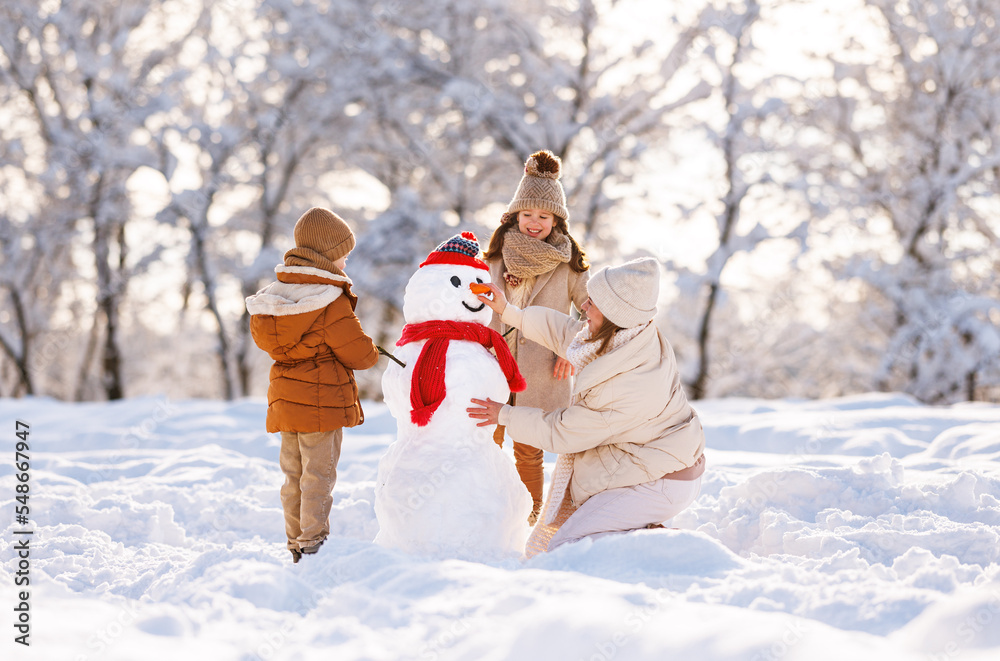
{"points": [[470, 236]]}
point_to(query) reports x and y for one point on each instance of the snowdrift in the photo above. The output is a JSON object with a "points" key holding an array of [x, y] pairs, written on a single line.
{"points": [[865, 527]]}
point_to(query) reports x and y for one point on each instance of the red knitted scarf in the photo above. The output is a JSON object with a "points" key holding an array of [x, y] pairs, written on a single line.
{"points": [[427, 389]]}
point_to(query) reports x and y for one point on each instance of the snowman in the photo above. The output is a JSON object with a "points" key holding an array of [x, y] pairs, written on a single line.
{"points": [[444, 487]]}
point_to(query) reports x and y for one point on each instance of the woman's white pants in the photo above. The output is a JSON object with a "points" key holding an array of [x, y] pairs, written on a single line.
{"points": [[627, 508]]}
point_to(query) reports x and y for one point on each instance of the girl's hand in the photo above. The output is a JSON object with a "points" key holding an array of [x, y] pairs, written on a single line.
{"points": [[564, 369], [498, 303], [489, 413]]}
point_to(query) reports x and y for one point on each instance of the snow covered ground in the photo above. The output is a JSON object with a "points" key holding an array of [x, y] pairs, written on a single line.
{"points": [[859, 528]]}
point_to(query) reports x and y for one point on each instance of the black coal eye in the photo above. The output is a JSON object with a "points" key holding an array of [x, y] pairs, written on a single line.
{"points": [[456, 281], [479, 280]]}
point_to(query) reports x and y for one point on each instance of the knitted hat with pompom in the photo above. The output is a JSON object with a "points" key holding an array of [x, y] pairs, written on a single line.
{"points": [[461, 249], [540, 187]]}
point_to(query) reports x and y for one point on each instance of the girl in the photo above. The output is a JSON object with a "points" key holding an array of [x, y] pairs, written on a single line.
{"points": [[540, 264], [631, 447]]}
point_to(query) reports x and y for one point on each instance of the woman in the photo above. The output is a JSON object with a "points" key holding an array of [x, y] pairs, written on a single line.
{"points": [[631, 447]]}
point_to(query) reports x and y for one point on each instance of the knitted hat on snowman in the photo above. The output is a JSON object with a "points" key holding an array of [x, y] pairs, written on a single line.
{"points": [[461, 250]]}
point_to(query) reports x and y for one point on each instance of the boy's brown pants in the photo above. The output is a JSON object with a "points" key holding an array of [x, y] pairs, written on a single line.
{"points": [[309, 462], [529, 462]]}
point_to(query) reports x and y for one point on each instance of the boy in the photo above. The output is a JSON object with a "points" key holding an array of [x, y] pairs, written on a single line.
{"points": [[305, 321]]}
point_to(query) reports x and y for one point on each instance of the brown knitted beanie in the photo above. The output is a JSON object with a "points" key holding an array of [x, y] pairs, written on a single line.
{"points": [[540, 187], [321, 238]]}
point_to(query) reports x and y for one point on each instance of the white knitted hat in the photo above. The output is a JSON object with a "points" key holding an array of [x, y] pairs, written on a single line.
{"points": [[627, 294]]}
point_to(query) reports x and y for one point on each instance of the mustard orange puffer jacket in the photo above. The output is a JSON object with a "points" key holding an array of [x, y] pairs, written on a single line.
{"points": [[305, 321]]}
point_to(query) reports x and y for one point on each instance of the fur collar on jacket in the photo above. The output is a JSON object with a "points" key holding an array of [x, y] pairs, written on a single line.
{"points": [[299, 289]]}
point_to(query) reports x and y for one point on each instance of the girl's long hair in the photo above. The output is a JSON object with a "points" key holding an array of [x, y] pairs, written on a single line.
{"points": [[577, 261], [604, 335]]}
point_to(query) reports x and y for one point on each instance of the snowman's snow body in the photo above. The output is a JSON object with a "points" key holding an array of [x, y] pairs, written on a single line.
{"points": [[446, 488]]}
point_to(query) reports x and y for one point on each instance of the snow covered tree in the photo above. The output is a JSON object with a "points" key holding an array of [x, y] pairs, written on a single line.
{"points": [[918, 161], [91, 76], [488, 83], [279, 117], [166, 150], [596, 96], [609, 127], [21, 266], [493, 82], [22, 257], [745, 122]]}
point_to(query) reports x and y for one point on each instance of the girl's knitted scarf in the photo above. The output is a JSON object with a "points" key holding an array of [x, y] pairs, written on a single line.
{"points": [[581, 352], [528, 257], [427, 389]]}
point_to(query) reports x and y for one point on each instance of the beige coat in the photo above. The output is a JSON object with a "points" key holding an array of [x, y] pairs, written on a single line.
{"points": [[556, 290], [630, 421]]}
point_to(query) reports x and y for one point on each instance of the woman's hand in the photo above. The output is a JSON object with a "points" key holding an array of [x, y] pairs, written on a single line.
{"points": [[564, 369], [489, 413], [498, 303]]}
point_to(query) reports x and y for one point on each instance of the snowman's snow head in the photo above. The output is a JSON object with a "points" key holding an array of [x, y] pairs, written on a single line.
{"points": [[439, 290]]}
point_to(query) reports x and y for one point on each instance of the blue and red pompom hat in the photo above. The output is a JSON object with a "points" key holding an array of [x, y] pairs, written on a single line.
{"points": [[461, 249]]}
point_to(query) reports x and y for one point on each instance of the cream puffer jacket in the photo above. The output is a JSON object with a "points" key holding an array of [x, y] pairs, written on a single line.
{"points": [[630, 421]]}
